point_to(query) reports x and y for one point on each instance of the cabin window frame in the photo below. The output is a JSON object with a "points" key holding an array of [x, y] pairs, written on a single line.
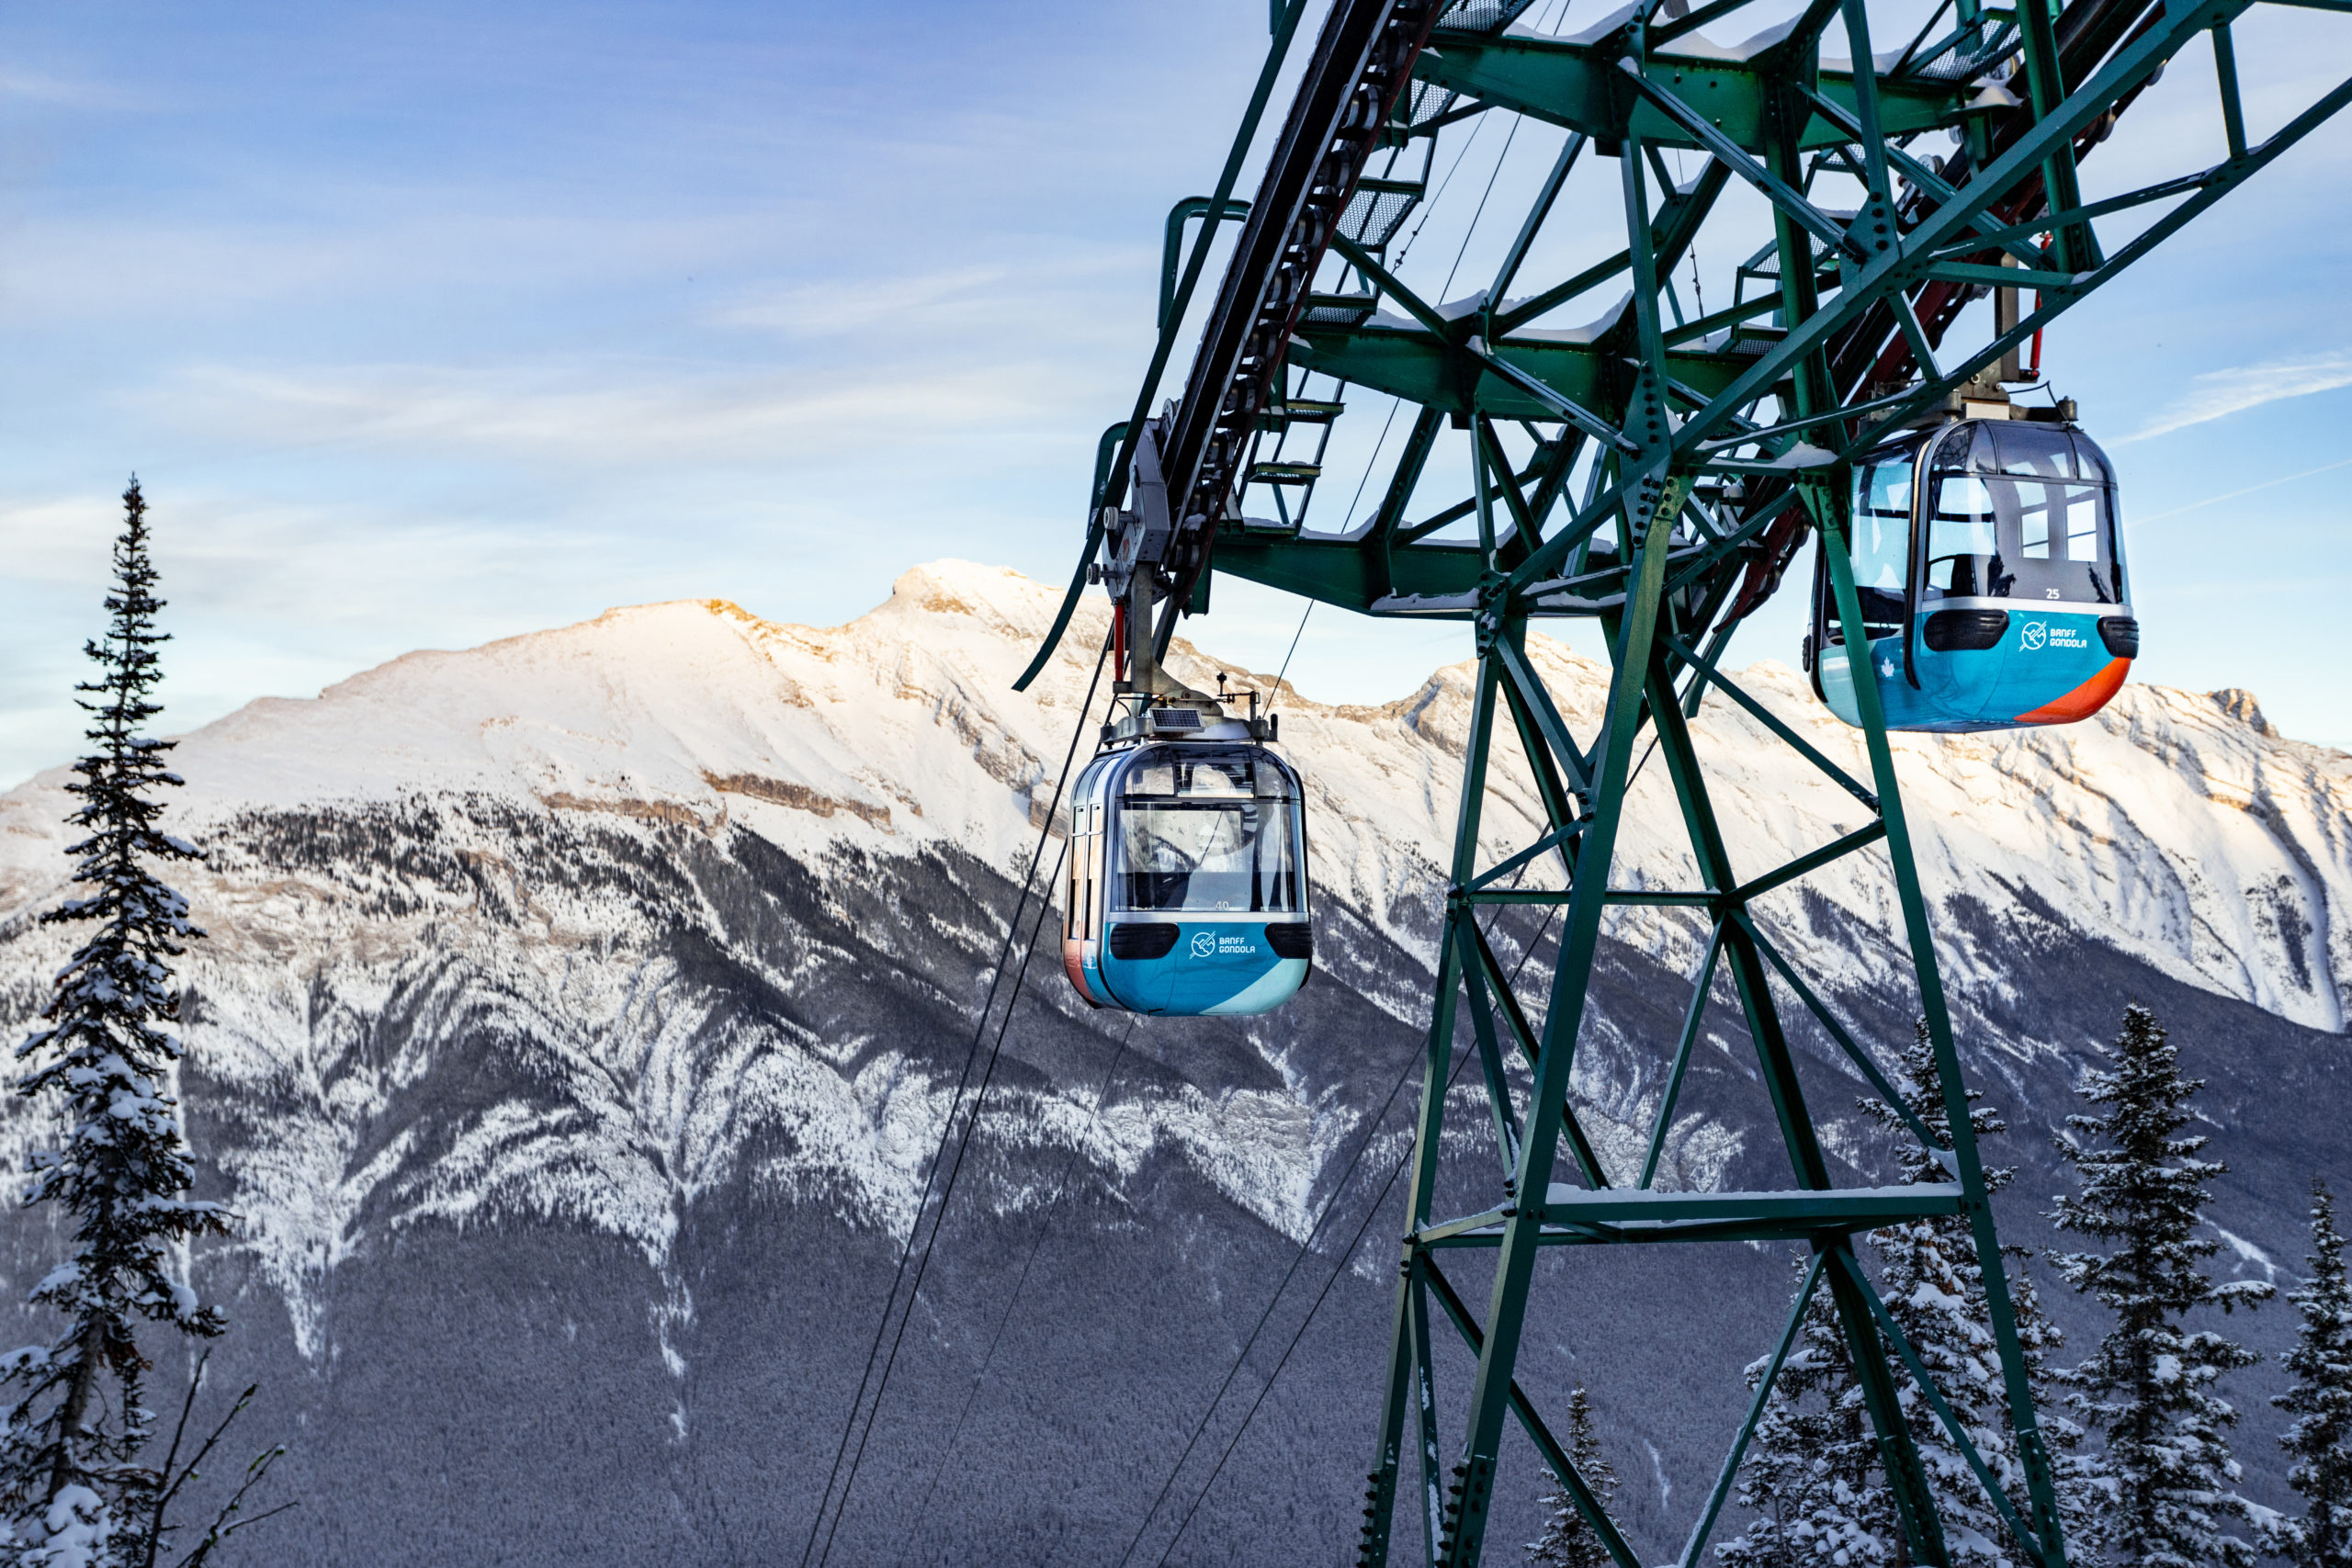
{"points": [[1285, 814]]}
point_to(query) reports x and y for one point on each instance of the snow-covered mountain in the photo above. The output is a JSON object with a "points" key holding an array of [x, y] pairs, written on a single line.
{"points": [[579, 1012]]}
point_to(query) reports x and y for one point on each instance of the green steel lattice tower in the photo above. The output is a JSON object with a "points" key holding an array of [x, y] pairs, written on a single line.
{"points": [[1655, 473]]}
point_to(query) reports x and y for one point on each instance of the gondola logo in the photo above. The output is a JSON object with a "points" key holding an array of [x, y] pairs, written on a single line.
{"points": [[1222, 944], [2033, 635]]}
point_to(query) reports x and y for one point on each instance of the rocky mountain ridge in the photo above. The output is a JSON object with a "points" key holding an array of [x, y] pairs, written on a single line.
{"points": [[607, 985]]}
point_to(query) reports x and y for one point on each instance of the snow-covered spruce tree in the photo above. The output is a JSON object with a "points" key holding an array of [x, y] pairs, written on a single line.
{"points": [[1934, 1288], [2321, 1401], [1811, 1479], [72, 1491], [1813, 1474], [2148, 1386], [1567, 1540]]}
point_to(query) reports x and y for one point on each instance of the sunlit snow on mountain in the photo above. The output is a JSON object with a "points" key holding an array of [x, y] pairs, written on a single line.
{"points": [[578, 1011]]}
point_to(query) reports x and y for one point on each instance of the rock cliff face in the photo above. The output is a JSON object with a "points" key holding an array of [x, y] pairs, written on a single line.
{"points": [[578, 1013]]}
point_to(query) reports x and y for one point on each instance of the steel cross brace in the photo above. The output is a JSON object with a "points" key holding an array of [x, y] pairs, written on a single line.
{"points": [[1894, 262], [1651, 426], [1794, 106], [1535, 1131]]}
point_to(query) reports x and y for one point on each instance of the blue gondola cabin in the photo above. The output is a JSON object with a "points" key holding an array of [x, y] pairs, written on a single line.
{"points": [[1988, 560], [1187, 886]]}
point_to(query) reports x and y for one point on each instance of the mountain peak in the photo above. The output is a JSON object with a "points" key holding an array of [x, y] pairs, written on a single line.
{"points": [[2179, 826], [2241, 705]]}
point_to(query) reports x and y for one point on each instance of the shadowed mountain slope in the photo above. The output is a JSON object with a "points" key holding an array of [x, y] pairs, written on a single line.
{"points": [[580, 1011]]}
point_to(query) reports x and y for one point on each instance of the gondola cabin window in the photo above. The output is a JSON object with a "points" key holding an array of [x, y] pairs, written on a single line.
{"points": [[1882, 540], [1206, 831], [2022, 511]]}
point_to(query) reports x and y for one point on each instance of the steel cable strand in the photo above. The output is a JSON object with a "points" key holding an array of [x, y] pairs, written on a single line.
{"points": [[939, 1219], [1291, 653], [1338, 1188], [1346, 1254], [1374, 460], [1452, 1078], [971, 1056], [1339, 1268], [1436, 195], [1372, 1126], [1053, 1210], [1354, 502], [1470, 231]]}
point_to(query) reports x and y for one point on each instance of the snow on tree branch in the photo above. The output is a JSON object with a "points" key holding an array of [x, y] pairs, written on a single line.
{"points": [[74, 1493]]}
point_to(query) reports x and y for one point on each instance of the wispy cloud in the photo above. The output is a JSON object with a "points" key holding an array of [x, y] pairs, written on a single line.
{"points": [[52, 542], [813, 311], [66, 93], [960, 299], [2220, 393], [2249, 490], [586, 416], [397, 245]]}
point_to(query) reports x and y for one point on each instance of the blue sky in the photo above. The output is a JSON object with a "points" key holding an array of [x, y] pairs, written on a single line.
{"points": [[424, 324]]}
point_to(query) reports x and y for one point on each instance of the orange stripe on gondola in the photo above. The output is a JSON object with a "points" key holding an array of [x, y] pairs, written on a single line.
{"points": [[2084, 700], [1074, 965]]}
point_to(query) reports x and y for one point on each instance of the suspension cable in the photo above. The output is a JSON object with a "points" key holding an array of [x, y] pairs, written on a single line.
{"points": [[939, 1220], [1301, 632], [1371, 1126], [1339, 1187], [1470, 231], [979, 1029], [1053, 1208], [1347, 1254], [1339, 1266]]}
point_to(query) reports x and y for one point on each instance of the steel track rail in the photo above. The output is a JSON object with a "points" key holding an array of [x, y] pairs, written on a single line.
{"points": [[1363, 61]]}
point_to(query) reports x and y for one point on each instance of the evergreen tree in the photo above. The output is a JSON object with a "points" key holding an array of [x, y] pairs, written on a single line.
{"points": [[1567, 1540], [1934, 1288], [72, 1492], [1811, 1477], [2321, 1437], [2148, 1386]]}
